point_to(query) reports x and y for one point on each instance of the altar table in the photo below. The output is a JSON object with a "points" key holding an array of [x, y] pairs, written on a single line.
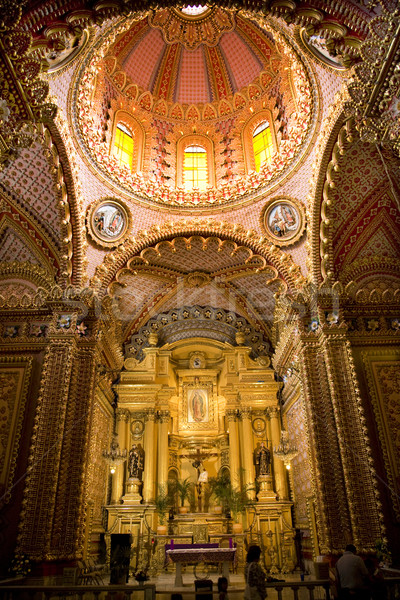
{"points": [[197, 555]]}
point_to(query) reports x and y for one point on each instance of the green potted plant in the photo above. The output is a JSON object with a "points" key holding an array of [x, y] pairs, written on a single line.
{"points": [[218, 489], [182, 488], [237, 501], [162, 503]]}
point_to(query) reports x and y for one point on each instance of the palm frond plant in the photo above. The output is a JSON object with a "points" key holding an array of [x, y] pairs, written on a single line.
{"points": [[162, 503], [182, 488]]}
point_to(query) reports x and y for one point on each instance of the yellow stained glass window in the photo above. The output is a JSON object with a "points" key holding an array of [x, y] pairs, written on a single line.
{"points": [[195, 172], [262, 144], [123, 145]]}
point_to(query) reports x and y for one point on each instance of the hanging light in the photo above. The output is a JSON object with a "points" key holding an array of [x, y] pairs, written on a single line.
{"points": [[285, 451], [115, 456]]}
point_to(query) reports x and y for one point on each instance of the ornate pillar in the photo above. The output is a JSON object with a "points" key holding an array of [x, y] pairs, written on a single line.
{"points": [[279, 468], [234, 459], [331, 508], [248, 452], [53, 519], [162, 450], [352, 434], [148, 473], [122, 416]]}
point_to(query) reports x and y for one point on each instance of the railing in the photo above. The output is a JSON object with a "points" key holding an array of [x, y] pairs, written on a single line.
{"points": [[290, 590], [78, 592]]}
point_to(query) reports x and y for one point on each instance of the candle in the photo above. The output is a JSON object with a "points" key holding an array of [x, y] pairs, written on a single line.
{"points": [[141, 526], [172, 544], [230, 542]]}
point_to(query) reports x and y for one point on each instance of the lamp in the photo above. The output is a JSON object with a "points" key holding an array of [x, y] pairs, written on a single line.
{"points": [[115, 456], [285, 451]]}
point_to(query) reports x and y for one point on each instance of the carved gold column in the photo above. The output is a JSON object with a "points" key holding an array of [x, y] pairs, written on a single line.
{"points": [[53, 520], [122, 416], [148, 473], [359, 476], [331, 508], [162, 450], [248, 452], [279, 468], [42, 479], [234, 459]]}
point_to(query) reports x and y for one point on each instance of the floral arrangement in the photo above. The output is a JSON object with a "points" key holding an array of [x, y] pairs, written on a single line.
{"points": [[141, 576], [20, 565], [383, 553]]}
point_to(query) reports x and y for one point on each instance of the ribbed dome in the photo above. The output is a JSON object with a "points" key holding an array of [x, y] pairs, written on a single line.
{"points": [[193, 60]]}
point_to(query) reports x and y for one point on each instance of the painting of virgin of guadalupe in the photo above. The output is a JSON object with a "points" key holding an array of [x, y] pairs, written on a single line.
{"points": [[197, 406]]}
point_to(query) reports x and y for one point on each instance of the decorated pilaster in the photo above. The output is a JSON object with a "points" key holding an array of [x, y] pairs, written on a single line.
{"points": [[53, 519], [247, 446], [279, 468], [234, 459], [353, 438], [149, 455], [162, 449], [122, 418]]}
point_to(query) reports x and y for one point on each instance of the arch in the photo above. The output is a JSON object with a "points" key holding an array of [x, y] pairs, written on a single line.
{"points": [[125, 124], [249, 131], [200, 141], [117, 259]]}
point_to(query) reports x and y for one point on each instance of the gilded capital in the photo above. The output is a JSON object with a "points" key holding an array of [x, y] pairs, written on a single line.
{"points": [[122, 414]]}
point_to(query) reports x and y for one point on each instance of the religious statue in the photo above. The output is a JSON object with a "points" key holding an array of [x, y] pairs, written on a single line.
{"points": [[201, 481], [136, 461], [263, 460]]}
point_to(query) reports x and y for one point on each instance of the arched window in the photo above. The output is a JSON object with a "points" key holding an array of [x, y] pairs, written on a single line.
{"points": [[195, 171], [123, 145], [262, 144]]}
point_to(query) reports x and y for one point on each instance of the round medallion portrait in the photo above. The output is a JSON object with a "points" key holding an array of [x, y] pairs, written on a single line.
{"points": [[108, 222], [284, 220], [317, 46]]}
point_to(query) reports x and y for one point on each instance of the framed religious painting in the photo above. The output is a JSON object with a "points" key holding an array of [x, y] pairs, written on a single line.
{"points": [[284, 220], [197, 409], [108, 222]]}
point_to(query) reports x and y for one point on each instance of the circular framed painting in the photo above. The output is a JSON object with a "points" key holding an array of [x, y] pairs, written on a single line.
{"points": [[108, 222], [317, 47], [284, 220]]}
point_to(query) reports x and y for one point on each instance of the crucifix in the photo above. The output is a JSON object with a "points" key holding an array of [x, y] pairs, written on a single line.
{"points": [[202, 476]]}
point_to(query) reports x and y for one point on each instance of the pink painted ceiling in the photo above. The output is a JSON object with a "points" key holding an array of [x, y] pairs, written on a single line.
{"points": [[169, 66], [365, 216]]}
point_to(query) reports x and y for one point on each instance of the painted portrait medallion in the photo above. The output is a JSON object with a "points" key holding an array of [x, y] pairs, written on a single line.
{"points": [[108, 222], [317, 46], [284, 220]]}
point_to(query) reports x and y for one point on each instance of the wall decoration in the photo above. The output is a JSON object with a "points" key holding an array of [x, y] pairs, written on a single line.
{"points": [[284, 220], [317, 46], [259, 426], [108, 222], [197, 406], [15, 372], [137, 429]]}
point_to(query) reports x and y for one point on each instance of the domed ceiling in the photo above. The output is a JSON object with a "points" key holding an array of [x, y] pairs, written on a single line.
{"points": [[178, 75], [194, 61]]}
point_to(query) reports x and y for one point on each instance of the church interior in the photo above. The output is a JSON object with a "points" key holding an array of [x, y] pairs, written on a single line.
{"points": [[199, 281]]}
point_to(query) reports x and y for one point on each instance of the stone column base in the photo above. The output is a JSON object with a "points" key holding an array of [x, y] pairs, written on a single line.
{"points": [[132, 495], [266, 492]]}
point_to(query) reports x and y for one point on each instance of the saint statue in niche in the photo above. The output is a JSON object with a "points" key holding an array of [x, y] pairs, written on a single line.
{"points": [[263, 460], [198, 406], [136, 461]]}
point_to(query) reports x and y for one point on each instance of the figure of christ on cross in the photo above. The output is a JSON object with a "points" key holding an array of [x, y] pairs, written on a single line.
{"points": [[202, 475]]}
